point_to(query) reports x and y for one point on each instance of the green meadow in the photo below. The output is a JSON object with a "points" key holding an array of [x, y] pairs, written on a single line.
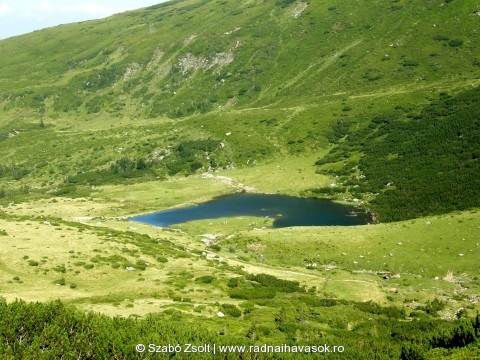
{"points": [[367, 103]]}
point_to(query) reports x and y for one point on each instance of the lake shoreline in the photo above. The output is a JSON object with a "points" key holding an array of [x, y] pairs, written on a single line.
{"points": [[287, 211]]}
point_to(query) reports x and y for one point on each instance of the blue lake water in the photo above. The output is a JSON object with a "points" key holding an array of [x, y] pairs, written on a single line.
{"points": [[285, 210]]}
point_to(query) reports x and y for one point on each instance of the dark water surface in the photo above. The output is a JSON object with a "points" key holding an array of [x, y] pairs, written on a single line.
{"points": [[286, 210]]}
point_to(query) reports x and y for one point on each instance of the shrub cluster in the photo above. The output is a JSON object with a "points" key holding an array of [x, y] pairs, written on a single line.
{"points": [[419, 165], [53, 330], [261, 286]]}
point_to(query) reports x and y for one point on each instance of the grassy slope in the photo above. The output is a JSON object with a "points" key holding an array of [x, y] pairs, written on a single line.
{"points": [[405, 248], [303, 72], [290, 79], [351, 264]]}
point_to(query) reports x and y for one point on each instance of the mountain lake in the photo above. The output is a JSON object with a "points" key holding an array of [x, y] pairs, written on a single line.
{"points": [[285, 210]]}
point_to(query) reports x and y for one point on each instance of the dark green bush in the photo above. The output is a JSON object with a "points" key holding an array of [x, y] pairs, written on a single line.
{"points": [[433, 307], [215, 247], [441, 37], [60, 282], [162, 259], [252, 293], [141, 264], [410, 63], [233, 282], [60, 268], [231, 310], [455, 43], [207, 279], [284, 3], [276, 283]]}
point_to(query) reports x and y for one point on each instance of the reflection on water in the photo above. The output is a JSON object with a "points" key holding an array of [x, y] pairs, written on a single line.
{"points": [[286, 210]]}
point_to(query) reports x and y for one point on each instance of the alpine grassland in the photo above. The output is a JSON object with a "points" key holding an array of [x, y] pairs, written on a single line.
{"points": [[368, 103]]}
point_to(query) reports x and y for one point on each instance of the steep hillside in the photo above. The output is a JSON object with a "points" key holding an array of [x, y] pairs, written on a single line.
{"points": [[188, 57], [370, 102], [188, 86], [417, 163]]}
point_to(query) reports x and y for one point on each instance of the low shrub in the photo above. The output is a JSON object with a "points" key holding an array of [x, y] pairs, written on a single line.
{"points": [[253, 293], [455, 43], [231, 310], [207, 279], [60, 282], [162, 259]]}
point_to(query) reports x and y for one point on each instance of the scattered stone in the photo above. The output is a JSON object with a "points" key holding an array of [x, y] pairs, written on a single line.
{"points": [[130, 268], [299, 8], [428, 223], [192, 62], [131, 71], [207, 242], [328, 267], [449, 276], [231, 31], [387, 276], [46, 223], [220, 314]]}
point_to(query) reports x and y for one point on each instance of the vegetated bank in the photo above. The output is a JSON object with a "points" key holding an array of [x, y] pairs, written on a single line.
{"points": [[51, 330], [192, 86], [414, 163]]}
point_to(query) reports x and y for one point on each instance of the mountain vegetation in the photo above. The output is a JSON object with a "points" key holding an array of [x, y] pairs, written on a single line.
{"points": [[374, 103], [59, 331], [307, 66], [420, 164]]}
